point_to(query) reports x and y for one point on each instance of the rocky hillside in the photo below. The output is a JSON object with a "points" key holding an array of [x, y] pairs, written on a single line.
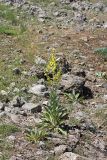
{"points": [[38, 120]]}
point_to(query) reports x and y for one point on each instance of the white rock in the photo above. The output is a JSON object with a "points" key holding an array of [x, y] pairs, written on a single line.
{"points": [[3, 93], [32, 107], [45, 103], [105, 25], [40, 61], [11, 138], [37, 89]]}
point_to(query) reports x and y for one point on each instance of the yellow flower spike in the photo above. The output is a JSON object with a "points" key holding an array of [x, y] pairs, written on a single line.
{"points": [[53, 69]]}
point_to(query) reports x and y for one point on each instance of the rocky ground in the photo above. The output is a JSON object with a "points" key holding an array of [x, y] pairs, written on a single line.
{"points": [[29, 29]]}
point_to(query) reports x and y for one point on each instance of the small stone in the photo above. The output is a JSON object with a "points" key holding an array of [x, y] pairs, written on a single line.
{"points": [[16, 90], [85, 39], [12, 85], [40, 61], [7, 109], [1, 106], [45, 103], [104, 85], [17, 71], [71, 156], [2, 114], [17, 102], [14, 118], [105, 25], [11, 138], [60, 149], [3, 93], [105, 97]]}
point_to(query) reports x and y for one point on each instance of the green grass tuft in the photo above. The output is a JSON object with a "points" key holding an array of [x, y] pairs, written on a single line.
{"points": [[8, 30], [6, 129]]}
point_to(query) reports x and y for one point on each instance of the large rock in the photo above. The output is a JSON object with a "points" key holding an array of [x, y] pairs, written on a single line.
{"points": [[71, 156], [75, 84], [38, 89], [32, 107], [72, 83]]}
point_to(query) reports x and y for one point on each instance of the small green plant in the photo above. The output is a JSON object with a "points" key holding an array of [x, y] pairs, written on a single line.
{"points": [[74, 98], [101, 51], [101, 75], [36, 135], [7, 13], [8, 30], [6, 129], [53, 115]]}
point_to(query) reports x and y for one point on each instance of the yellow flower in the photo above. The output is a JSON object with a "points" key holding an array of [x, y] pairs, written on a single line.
{"points": [[53, 69]]}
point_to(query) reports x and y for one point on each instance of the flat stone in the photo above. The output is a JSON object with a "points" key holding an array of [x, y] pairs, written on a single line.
{"points": [[14, 118], [60, 149], [32, 107], [71, 156], [38, 89]]}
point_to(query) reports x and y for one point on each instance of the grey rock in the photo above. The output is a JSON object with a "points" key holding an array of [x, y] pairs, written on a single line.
{"points": [[65, 1], [79, 17], [45, 103], [7, 109], [73, 139], [17, 71], [41, 81], [60, 149], [104, 85], [1, 106], [3, 93], [105, 97], [57, 141], [100, 106], [38, 89], [16, 90], [105, 25], [98, 6], [71, 156], [32, 107], [80, 115], [14, 118], [2, 114], [40, 61], [72, 83], [11, 138], [17, 102], [99, 143]]}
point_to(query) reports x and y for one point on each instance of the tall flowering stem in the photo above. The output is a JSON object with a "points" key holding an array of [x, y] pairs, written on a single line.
{"points": [[52, 71]]}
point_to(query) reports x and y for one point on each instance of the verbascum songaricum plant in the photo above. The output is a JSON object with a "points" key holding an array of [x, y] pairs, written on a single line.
{"points": [[52, 71]]}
